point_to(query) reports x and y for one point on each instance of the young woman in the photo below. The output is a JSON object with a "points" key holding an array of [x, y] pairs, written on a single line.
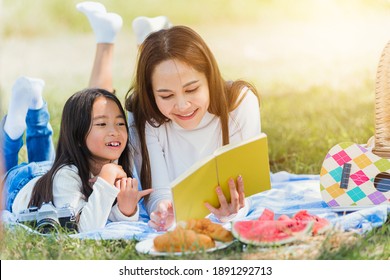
{"points": [[182, 110], [92, 167]]}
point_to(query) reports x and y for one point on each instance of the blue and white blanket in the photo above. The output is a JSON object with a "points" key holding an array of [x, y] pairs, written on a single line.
{"points": [[289, 194]]}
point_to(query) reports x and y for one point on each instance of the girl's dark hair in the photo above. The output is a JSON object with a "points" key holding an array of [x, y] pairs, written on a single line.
{"points": [[185, 45], [72, 149]]}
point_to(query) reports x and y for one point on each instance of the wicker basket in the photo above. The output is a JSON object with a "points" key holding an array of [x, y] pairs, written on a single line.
{"points": [[382, 105]]}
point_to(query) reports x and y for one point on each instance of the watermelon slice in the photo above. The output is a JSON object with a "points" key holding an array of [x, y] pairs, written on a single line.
{"points": [[266, 231], [270, 232], [320, 224], [267, 215]]}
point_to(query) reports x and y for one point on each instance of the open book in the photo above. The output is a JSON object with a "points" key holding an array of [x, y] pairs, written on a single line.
{"points": [[197, 185]]}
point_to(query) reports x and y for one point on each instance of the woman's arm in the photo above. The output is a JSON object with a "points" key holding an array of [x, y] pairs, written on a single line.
{"points": [[244, 123], [159, 170], [245, 120], [159, 205]]}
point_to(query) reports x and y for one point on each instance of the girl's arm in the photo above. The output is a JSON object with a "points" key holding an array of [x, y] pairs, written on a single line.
{"points": [[95, 212]]}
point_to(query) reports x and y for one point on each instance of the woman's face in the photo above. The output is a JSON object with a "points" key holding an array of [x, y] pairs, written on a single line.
{"points": [[108, 135], [181, 93]]}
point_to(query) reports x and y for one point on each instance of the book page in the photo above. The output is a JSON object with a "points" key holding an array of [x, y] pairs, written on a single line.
{"points": [[190, 193], [197, 185], [248, 159]]}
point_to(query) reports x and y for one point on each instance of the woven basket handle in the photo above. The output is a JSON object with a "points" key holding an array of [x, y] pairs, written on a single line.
{"points": [[382, 105]]}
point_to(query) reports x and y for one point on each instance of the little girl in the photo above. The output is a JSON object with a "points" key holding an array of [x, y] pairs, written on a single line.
{"points": [[91, 171]]}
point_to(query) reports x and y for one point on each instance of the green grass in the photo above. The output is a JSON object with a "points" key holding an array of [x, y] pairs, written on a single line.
{"points": [[373, 246], [20, 245], [312, 96], [299, 138], [306, 124]]}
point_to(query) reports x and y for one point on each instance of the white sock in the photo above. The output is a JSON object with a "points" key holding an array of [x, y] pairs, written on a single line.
{"points": [[143, 26], [90, 6], [26, 94], [105, 25]]}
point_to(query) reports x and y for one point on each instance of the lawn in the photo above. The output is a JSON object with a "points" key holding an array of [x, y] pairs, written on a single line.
{"points": [[314, 63]]}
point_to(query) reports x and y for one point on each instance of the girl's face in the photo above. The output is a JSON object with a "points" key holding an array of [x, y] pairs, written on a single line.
{"points": [[108, 135], [181, 93]]}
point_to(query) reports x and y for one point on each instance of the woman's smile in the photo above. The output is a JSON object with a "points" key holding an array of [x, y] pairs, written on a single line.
{"points": [[187, 116], [181, 93]]}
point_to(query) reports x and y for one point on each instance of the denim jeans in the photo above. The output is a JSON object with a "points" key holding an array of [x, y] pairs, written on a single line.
{"points": [[40, 152]]}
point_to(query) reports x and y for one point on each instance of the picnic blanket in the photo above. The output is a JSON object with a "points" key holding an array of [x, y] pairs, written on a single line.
{"points": [[289, 194]]}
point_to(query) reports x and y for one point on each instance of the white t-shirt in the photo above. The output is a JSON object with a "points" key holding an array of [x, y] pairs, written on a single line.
{"points": [[67, 190], [172, 149]]}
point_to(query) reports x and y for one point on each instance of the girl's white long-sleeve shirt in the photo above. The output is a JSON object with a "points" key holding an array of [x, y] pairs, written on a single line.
{"points": [[172, 149], [94, 211]]}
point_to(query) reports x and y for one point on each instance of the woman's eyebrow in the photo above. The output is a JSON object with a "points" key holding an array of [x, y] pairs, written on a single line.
{"points": [[190, 83], [164, 90]]}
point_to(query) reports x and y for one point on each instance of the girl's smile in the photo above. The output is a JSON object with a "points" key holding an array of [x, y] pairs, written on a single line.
{"points": [[113, 144]]}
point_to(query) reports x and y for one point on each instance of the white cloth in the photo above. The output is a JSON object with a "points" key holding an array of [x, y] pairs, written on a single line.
{"points": [[172, 149], [67, 190]]}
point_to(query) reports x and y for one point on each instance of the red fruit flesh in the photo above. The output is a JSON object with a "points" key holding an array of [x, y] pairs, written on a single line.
{"points": [[270, 232], [320, 224], [267, 215]]}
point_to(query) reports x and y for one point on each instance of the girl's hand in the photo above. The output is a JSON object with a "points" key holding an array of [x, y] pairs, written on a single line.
{"points": [[237, 200], [163, 217], [129, 195], [111, 172]]}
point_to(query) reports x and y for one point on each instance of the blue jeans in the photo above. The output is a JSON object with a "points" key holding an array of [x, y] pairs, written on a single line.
{"points": [[40, 152]]}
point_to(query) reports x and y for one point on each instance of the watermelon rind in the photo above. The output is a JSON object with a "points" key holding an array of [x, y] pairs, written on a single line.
{"points": [[250, 236]]}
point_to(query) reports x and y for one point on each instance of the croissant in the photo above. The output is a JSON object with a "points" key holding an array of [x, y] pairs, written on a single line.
{"points": [[182, 240], [205, 226]]}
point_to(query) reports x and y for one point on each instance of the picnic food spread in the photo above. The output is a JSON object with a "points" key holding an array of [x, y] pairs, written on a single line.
{"points": [[203, 234]]}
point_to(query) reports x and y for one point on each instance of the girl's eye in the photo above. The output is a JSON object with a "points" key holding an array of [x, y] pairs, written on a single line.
{"points": [[100, 124], [121, 124]]}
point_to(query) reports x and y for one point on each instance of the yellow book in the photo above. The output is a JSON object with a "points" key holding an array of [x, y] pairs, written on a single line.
{"points": [[197, 185]]}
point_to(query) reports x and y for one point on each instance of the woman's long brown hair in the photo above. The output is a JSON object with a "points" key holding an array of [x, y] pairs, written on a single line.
{"points": [[183, 44]]}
